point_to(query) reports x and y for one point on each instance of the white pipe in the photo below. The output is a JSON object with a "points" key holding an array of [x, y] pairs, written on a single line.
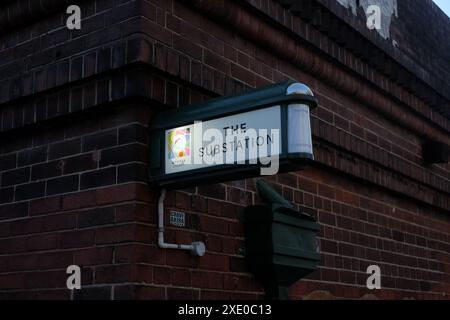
{"points": [[196, 248]]}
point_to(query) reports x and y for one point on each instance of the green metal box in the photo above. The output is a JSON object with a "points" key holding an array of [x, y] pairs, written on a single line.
{"points": [[281, 245]]}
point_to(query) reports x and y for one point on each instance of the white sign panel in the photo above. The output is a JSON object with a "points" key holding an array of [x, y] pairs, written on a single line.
{"points": [[237, 139]]}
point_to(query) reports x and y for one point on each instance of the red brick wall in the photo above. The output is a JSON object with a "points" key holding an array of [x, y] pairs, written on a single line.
{"points": [[74, 106]]}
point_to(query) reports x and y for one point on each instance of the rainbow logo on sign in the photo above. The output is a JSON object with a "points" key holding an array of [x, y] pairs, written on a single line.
{"points": [[179, 145]]}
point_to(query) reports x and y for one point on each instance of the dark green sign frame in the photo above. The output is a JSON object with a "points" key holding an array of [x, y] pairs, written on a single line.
{"points": [[283, 94]]}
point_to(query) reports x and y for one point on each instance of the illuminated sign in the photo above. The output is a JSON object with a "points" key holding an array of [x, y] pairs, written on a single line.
{"points": [[244, 137], [262, 132]]}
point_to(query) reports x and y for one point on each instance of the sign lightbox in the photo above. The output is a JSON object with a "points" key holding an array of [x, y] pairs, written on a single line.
{"points": [[262, 132]]}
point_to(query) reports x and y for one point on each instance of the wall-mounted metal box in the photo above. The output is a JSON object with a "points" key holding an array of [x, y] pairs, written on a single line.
{"points": [[281, 243], [435, 152]]}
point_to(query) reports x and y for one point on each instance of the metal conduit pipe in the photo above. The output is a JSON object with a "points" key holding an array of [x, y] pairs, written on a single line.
{"points": [[197, 248]]}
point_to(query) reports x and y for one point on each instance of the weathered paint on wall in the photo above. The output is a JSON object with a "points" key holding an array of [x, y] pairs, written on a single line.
{"points": [[349, 4], [388, 11]]}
